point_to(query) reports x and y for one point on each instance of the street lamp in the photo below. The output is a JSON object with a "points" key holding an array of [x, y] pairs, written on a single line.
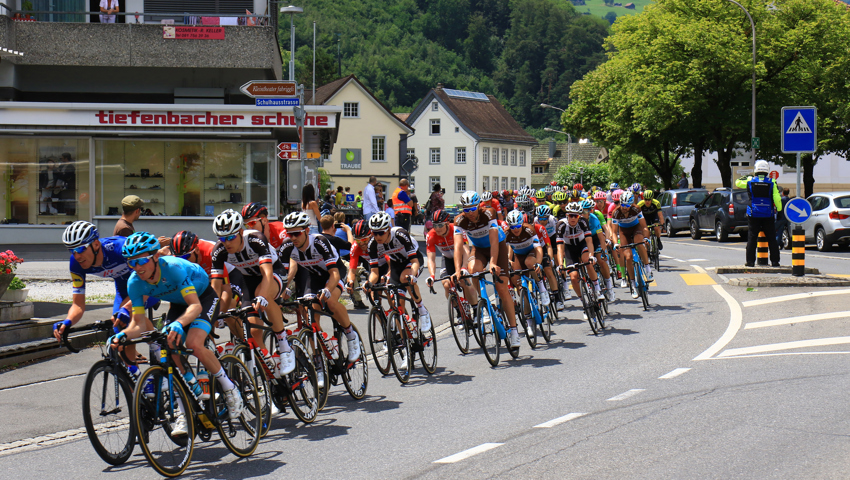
{"points": [[753, 128], [569, 140], [544, 105], [291, 10]]}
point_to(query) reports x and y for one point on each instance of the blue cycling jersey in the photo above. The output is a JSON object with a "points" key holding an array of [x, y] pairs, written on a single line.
{"points": [[478, 231], [178, 279], [595, 226], [114, 266], [523, 242]]}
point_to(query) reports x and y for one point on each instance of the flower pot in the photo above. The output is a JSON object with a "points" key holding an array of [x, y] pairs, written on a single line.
{"points": [[5, 280], [15, 296]]}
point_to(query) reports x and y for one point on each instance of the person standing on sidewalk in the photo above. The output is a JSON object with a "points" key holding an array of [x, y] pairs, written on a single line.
{"points": [[764, 198], [402, 205], [781, 219], [132, 207], [370, 200]]}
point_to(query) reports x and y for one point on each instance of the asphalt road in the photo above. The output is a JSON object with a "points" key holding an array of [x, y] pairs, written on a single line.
{"points": [[713, 381]]}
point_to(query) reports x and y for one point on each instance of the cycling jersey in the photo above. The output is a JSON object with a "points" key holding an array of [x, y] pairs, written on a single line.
{"points": [[318, 258], [114, 266], [594, 224], [628, 219], [255, 252], [610, 209], [495, 205], [277, 234], [178, 278], [648, 208], [525, 241], [550, 225], [478, 231], [358, 254], [401, 248], [446, 243], [572, 235]]}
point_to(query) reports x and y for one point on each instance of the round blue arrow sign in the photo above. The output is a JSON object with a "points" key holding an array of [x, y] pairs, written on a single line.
{"points": [[798, 210]]}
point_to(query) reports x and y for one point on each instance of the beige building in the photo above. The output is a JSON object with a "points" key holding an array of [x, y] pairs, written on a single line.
{"points": [[371, 141]]}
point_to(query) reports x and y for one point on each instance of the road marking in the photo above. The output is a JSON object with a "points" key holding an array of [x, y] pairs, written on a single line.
{"points": [[735, 320], [838, 275], [698, 260], [468, 453], [625, 395], [57, 438], [679, 260], [783, 354], [697, 279], [41, 382], [560, 420], [793, 296], [773, 347], [698, 269], [723, 277], [667, 257], [707, 243], [674, 373], [800, 319]]}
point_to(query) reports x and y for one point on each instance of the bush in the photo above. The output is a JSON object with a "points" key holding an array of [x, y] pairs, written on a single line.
{"points": [[588, 174], [17, 284]]}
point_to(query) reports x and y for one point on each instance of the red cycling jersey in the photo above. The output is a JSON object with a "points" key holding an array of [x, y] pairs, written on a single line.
{"points": [[494, 205], [542, 234], [277, 234], [446, 243]]}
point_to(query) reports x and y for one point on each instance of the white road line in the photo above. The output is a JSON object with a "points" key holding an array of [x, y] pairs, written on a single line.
{"points": [[679, 260], [743, 247], [42, 382], [793, 296], [801, 319], [711, 268], [723, 277], [698, 268], [667, 257], [468, 453], [625, 395], [783, 354], [817, 342], [674, 373], [560, 420], [698, 260], [735, 320]]}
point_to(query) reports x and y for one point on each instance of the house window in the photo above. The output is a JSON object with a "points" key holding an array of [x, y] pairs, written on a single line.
{"points": [[485, 156], [485, 184], [460, 155], [522, 158], [379, 149], [513, 158], [504, 156], [435, 107], [432, 181], [435, 156], [504, 183], [460, 184], [457, 129], [351, 110], [495, 183], [522, 181], [513, 183], [538, 169], [435, 126]]}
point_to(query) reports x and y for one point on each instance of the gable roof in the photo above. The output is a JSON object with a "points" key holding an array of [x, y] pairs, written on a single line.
{"points": [[485, 120], [327, 91]]}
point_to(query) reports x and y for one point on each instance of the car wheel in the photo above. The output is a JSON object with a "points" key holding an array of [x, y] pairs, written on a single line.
{"points": [[720, 234], [695, 233], [785, 240], [670, 232], [822, 243]]}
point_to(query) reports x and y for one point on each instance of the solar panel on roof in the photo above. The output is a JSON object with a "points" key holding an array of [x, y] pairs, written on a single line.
{"points": [[466, 95]]}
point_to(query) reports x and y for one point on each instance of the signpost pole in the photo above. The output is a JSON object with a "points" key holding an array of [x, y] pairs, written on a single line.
{"points": [[798, 250], [799, 176]]}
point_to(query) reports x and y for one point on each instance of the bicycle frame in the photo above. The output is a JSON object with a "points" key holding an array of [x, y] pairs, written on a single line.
{"points": [[482, 291], [530, 287]]}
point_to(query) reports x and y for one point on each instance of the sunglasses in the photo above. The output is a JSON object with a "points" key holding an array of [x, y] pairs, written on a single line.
{"points": [[135, 262], [470, 209], [295, 234], [543, 217], [252, 222], [228, 238], [440, 225], [573, 215], [80, 249], [380, 233], [185, 256], [514, 227]]}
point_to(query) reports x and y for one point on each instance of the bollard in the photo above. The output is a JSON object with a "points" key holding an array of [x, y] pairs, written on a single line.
{"points": [[762, 251], [798, 252]]}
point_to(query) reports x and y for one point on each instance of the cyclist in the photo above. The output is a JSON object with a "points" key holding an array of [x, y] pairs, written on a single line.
{"points": [[403, 252], [360, 256], [255, 216], [574, 246], [194, 305], [507, 200], [611, 189], [262, 283], [488, 201], [546, 222], [487, 242], [629, 225], [575, 195], [526, 250], [651, 209], [595, 221], [442, 236], [559, 210], [526, 205]]}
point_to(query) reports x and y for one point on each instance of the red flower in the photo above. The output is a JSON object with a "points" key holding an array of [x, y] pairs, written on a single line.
{"points": [[8, 270]]}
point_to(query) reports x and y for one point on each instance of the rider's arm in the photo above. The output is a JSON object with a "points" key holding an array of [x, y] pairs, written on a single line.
{"points": [[494, 247], [432, 259], [459, 246]]}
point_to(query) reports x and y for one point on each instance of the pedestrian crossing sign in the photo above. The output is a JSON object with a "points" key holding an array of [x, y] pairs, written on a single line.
{"points": [[799, 129]]}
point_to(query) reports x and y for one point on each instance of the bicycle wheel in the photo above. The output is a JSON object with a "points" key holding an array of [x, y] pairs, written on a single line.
{"points": [[243, 353], [153, 418], [107, 398], [428, 352], [587, 304], [489, 337], [546, 326], [303, 385], [513, 352], [399, 347], [378, 340], [530, 325], [458, 323], [644, 295], [241, 435], [320, 362], [522, 320], [552, 309], [640, 284], [356, 374]]}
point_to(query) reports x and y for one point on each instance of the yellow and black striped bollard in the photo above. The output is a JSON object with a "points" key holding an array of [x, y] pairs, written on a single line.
{"points": [[798, 252], [761, 250]]}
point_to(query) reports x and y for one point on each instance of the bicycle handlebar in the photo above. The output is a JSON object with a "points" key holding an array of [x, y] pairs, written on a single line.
{"points": [[101, 326]]}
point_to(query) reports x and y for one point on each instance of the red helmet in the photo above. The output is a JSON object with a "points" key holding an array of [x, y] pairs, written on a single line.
{"points": [[506, 192], [494, 193], [578, 186], [553, 183], [361, 229], [254, 209], [440, 216], [183, 243]]}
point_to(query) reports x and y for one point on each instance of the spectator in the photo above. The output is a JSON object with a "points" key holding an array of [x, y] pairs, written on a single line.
{"points": [[370, 199], [402, 204], [343, 231], [435, 202], [132, 206], [358, 200], [347, 193], [339, 198], [764, 202], [310, 207], [389, 209], [108, 7], [683, 182]]}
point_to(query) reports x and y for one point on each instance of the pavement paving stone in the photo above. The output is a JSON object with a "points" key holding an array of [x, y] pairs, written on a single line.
{"points": [[789, 281]]}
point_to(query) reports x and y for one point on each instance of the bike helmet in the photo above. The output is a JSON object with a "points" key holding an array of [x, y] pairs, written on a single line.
{"points": [[615, 195], [495, 194], [553, 183], [296, 220], [139, 243], [627, 199], [636, 187], [79, 233], [254, 209], [505, 193], [381, 221], [573, 207], [599, 195], [524, 203], [648, 195], [540, 194], [468, 199], [543, 211], [227, 222], [361, 229], [486, 197], [559, 197], [183, 243], [514, 218], [575, 193], [578, 186], [587, 204], [440, 216], [615, 186]]}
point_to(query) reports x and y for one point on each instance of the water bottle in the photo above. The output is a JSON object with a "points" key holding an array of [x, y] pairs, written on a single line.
{"points": [[134, 372], [332, 344], [155, 352], [193, 383], [410, 321], [228, 348], [204, 382]]}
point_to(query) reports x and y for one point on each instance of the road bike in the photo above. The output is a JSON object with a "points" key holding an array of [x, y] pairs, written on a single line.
{"points": [[494, 330], [603, 299], [378, 331], [460, 316], [652, 248], [637, 276], [531, 313], [589, 302]]}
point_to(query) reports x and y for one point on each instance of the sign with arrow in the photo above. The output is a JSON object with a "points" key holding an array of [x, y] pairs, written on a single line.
{"points": [[798, 210], [269, 89]]}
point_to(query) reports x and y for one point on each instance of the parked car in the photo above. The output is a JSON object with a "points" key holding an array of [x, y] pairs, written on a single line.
{"points": [[829, 223], [676, 205], [723, 212]]}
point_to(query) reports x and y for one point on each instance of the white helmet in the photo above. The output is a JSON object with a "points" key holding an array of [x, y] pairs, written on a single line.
{"points": [[380, 221], [79, 233], [470, 199], [227, 222], [486, 197], [627, 198], [296, 220], [573, 207], [761, 167], [514, 218]]}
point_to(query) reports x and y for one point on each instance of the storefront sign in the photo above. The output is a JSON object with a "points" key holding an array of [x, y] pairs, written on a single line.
{"points": [[269, 88], [350, 159], [193, 33]]}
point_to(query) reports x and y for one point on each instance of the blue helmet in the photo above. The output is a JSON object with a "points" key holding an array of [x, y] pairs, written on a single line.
{"points": [[636, 187], [587, 204], [615, 186], [470, 199], [139, 243]]}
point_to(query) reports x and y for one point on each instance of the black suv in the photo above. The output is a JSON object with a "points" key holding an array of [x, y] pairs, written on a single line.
{"points": [[723, 212]]}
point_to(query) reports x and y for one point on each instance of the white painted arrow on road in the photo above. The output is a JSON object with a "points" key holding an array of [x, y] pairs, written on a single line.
{"points": [[802, 213]]}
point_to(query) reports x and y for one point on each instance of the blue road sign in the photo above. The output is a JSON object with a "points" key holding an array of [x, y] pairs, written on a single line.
{"points": [[799, 129], [278, 102], [798, 210]]}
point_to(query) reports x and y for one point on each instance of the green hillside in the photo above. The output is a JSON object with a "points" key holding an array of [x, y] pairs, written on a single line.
{"points": [[598, 7]]}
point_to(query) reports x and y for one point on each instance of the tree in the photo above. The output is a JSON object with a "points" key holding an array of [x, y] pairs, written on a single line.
{"points": [[588, 174], [478, 46], [611, 17]]}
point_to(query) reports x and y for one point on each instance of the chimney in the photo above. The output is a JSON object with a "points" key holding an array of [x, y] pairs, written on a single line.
{"points": [[552, 147], [439, 86]]}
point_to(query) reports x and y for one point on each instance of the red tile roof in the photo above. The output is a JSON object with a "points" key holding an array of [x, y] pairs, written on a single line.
{"points": [[487, 120]]}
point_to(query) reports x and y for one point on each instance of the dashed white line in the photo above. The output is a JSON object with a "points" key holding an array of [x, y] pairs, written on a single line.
{"points": [[679, 260], [468, 453], [735, 320], [793, 296], [42, 382], [625, 395], [817, 342], [560, 420], [698, 260], [800, 319], [667, 257], [674, 373]]}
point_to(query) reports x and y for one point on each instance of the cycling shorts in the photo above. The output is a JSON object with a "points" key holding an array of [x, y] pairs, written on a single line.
{"points": [[307, 284], [483, 253], [573, 253], [651, 218], [630, 233], [448, 267], [521, 258], [250, 284], [208, 315]]}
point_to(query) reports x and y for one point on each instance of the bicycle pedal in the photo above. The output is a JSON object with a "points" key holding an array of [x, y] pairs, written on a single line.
{"points": [[206, 421], [334, 380]]}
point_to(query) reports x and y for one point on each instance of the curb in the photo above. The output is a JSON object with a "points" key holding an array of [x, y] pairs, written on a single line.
{"points": [[745, 269], [807, 281]]}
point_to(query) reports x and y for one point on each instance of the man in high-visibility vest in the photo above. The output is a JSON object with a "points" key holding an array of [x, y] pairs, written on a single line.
{"points": [[402, 205], [764, 202], [359, 199]]}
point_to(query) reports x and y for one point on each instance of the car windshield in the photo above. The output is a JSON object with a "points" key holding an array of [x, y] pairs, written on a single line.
{"points": [[690, 198], [842, 202], [740, 197]]}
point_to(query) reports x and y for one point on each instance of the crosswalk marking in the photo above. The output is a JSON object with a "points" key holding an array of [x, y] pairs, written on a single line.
{"points": [[800, 319], [817, 342]]}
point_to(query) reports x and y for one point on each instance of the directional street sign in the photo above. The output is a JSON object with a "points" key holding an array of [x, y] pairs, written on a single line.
{"points": [[277, 102], [410, 164], [287, 154], [269, 89], [799, 129], [287, 146], [798, 210]]}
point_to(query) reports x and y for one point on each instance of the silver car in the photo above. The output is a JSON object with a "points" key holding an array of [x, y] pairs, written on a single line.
{"points": [[676, 205], [829, 223]]}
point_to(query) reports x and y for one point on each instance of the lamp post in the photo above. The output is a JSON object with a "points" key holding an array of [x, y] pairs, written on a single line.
{"points": [[291, 10], [569, 142], [753, 107]]}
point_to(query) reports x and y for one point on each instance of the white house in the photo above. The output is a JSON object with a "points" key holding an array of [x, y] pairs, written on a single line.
{"points": [[467, 141]]}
